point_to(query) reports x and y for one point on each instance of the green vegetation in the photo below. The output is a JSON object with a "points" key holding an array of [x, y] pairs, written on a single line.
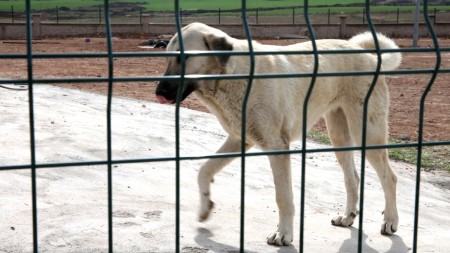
{"points": [[19, 5], [319, 137], [436, 157], [158, 5]]}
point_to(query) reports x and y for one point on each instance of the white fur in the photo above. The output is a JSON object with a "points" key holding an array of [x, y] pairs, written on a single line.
{"points": [[390, 61]]}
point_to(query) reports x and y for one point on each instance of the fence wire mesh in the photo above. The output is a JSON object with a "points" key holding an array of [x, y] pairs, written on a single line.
{"points": [[31, 82]]}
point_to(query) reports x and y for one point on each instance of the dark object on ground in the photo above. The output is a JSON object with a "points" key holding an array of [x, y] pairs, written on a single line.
{"points": [[158, 43]]}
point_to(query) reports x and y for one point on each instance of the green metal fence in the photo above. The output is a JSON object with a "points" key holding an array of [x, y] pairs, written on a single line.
{"points": [[31, 82]]}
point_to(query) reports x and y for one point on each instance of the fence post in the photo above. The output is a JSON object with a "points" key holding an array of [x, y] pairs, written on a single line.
{"points": [[432, 19], [329, 15], [219, 16], [398, 14], [145, 20], [257, 15], [434, 16], [36, 26], [12, 14], [99, 14], [364, 16], [416, 24], [57, 14], [343, 27], [293, 16]]}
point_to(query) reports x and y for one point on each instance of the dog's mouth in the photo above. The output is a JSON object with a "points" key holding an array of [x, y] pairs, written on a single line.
{"points": [[167, 94], [163, 100]]}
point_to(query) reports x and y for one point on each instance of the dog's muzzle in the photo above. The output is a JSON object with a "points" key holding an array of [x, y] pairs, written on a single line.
{"points": [[166, 92]]}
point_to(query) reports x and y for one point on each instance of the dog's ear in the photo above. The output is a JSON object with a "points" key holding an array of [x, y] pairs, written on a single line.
{"points": [[213, 42]]}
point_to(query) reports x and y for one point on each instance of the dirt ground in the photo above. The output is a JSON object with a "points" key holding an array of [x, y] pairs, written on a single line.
{"points": [[406, 90]]}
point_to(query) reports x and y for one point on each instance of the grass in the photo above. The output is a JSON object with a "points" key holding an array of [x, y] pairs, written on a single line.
{"points": [[158, 5], [436, 157], [319, 137]]}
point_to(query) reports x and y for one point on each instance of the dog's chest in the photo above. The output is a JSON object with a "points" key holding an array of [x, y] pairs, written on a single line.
{"points": [[227, 109]]}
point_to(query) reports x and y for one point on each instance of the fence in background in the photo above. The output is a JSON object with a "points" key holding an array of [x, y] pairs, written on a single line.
{"points": [[341, 29], [283, 15], [31, 82]]}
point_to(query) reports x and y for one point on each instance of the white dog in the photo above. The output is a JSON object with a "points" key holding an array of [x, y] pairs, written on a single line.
{"points": [[274, 111]]}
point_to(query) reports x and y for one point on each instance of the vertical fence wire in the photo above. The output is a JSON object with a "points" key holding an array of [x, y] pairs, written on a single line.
{"points": [[109, 125], [182, 55], [421, 121], [305, 122], [364, 125], [244, 119], [30, 81]]}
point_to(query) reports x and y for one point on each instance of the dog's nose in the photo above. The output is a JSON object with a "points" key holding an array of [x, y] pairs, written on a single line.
{"points": [[160, 91]]}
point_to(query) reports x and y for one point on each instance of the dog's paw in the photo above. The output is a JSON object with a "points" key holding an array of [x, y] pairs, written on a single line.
{"points": [[388, 228], [343, 221], [280, 239], [205, 211]]}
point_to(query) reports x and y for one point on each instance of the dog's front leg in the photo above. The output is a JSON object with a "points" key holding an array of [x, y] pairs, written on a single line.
{"points": [[281, 169], [209, 169]]}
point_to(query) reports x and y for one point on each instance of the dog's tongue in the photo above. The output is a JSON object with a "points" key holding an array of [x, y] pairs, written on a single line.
{"points": [[163, 100]]}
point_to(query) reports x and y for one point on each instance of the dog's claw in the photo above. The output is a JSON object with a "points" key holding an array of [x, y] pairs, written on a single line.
{"points": [[280, 239], [343, 221], [387, 229]]}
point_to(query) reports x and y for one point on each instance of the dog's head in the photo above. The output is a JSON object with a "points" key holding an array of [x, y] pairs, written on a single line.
{"points": [[196, 37]]}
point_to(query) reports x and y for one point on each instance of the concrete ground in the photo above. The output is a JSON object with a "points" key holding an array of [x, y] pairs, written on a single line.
{"points": [[72, 201]]}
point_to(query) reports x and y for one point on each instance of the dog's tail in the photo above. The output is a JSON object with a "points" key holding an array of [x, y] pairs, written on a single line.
{"points": [[390, 61]]}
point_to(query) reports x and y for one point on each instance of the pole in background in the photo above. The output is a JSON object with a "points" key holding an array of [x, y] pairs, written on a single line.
{"points": [[12, 14], [257, 15], [398, 14], [57, 14], [293, 15], [435, 17], [364, 15], [99, 14], [329, 15], [219, 16], [416, 24]]}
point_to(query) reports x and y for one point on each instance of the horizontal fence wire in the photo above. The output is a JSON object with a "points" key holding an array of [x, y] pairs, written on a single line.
{"points": [[224, 155], [214, 53], [110, 55]]}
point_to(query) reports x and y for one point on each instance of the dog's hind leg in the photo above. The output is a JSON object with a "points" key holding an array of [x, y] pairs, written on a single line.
{"points": [[209, 169], [281, 169], [339, 133], [377, 132], [380, 161]]}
